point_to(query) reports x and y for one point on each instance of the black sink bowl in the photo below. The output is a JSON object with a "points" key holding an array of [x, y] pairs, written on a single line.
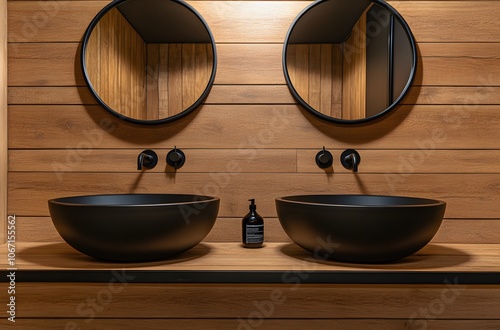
{"points": [[360, 228], [134, 227]]}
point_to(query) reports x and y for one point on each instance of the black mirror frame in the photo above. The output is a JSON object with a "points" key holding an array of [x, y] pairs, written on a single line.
{"points": [[114, 112], [315, 112]]}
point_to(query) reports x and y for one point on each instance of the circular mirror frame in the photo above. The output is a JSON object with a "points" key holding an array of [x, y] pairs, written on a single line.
{"points": [[114, 112], [315, 112]]}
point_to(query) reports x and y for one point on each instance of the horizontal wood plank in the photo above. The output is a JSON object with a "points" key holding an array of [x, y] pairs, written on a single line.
{"points": [[34, 64], [258, 94], [182, 301], [256, 127], [476, 231], [265, 324], [244, 21], [263, 161], [406, 162], [456, 95], [230, 21], [50, 95], [467, 195], [116, 160], [426, 22]]}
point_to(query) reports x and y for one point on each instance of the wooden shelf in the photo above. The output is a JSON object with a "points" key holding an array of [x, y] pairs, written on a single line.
{"points": [[274, 263]]}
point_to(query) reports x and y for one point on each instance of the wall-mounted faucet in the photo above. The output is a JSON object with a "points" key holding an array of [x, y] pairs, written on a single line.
{"points": [[324, 158], [176, 158], [148, 159], [350, 159]]}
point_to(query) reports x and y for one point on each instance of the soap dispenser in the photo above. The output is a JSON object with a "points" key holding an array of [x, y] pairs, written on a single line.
{"points": [[252, 228]]}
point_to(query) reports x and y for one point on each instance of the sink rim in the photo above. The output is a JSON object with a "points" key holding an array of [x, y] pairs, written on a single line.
{"points": [[190, 199], [418, 201]]}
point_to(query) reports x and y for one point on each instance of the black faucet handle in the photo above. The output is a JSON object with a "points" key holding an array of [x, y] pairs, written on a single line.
{"points": [[324, 158], [350, 159], [147, 158], [176, 158]]}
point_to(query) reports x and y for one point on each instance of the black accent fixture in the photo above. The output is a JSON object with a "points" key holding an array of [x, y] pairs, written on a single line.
{"points": [[170, 21], [360, 228], [176, 158], [256, 276], [324, 158], [134, 227], [350, 159], [331, 22], [148, 158]]}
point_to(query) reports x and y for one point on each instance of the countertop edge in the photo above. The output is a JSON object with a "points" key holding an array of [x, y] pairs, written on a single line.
{"points": [[291, 277]]}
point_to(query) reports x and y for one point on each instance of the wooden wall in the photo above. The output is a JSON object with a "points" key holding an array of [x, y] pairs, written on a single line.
{"points": [[116, 65], [144, 81], [328, 81], [178, 75], [251, 140], [3, 119], [441, 143]]}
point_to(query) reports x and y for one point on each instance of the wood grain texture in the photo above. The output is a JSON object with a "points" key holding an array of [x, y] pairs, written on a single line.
{"points": [[284, 256], [427, 25], [267, 324], [114, 161], [245, 22], [257, 127], [33, 64], [3, 119], [315, 71], [381, 161], [450, 117], [407, 161], [59, 300], [116, 60], [261, 94], [464, 231], [354, 73], [467, 195]]}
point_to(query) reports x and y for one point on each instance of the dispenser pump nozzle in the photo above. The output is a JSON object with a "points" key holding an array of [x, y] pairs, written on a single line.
{"points": [[252, 206]]}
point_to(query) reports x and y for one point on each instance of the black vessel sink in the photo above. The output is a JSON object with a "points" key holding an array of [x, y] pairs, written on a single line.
{"points": [[134, 227], [360, 228]]}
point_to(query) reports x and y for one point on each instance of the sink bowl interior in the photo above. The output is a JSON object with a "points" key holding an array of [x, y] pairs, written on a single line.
{"points": [[360, 228], [134, 227]]}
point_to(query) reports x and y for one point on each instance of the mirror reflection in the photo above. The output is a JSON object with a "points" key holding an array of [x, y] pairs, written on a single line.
{"points": [[149, 61], [349, 60]]}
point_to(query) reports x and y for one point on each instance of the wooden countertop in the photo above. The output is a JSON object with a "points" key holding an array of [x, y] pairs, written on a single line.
{"points": [[274, 263]]}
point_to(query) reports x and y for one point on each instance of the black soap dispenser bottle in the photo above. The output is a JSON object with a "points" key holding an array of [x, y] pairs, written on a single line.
{"points": [[252, 228]]}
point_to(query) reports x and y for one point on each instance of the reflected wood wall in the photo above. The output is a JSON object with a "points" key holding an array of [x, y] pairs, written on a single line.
{"points": [[331, 78], [140, 80], [177, 75], [116, 62], [354, 82]]}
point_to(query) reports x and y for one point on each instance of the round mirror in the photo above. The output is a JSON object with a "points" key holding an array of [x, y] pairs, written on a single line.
{"points": [[349, 61], [149, 61]]}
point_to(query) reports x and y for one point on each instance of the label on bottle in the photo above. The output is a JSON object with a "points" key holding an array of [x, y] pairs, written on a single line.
{"points": [[254, 234]]}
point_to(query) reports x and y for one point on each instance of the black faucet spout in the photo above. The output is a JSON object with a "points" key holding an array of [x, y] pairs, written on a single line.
{"points": [[353, 160], [350, 159], [147, 158]]}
